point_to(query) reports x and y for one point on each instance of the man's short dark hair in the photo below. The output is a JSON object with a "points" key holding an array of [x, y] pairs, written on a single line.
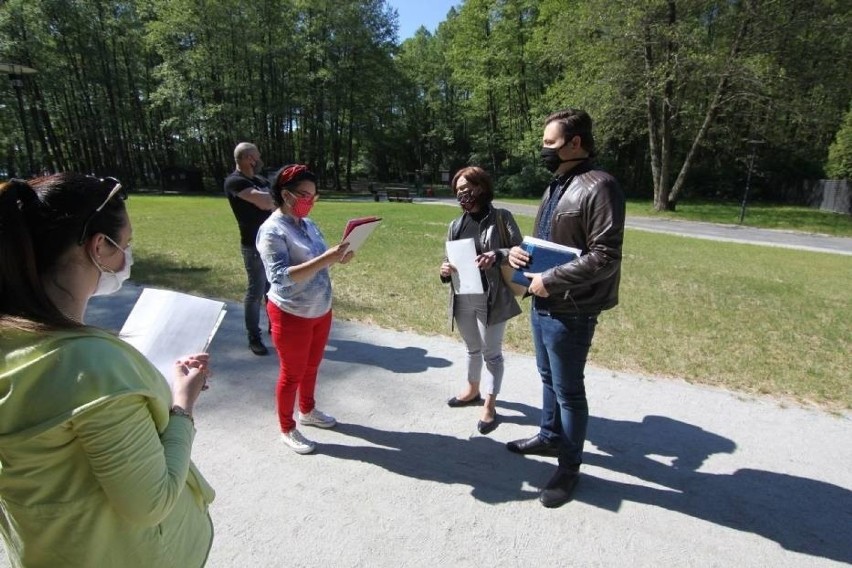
{"points": [[575, 122]]}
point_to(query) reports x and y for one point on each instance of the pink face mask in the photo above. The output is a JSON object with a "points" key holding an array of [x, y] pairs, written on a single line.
{"points": [[302, 207]]}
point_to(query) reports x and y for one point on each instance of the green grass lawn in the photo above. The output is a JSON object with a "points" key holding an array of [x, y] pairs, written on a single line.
{"points": [[764, 216], [747, 318]]}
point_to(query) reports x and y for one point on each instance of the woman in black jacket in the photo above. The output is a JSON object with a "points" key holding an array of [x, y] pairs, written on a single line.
{"points": [[481, 318]]}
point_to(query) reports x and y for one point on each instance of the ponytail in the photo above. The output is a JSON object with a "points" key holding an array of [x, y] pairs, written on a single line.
{"points": [[24, 303], [18, 273]]}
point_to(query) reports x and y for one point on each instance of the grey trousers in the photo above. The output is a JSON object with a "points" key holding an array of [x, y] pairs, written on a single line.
{"points": [[484, 342]]}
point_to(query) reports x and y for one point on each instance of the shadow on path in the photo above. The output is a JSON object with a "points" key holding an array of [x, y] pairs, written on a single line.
{"points": [[525, 415], [804, 515], [480, 462], [395, 359]]}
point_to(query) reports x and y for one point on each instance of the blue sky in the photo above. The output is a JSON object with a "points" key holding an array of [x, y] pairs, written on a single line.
{"points": [[416, 13]]}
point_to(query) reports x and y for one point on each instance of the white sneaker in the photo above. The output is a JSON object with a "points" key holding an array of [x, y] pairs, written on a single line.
{"points": [[318, 419], [297, 442]]}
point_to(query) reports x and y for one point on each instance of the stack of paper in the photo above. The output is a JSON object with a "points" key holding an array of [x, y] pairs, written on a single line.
{"points": [[165, 326]]}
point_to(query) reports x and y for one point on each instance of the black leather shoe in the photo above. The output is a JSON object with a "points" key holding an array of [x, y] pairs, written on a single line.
{"points": [[559, 489], [458, 403], [533, 446], [257, 347], [486, 427]]}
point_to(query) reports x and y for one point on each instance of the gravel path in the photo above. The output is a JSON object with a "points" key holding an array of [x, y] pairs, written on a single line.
{"points": [[675, 474]]}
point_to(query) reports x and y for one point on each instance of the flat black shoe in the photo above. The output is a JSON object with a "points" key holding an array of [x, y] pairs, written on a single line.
{"points": [[486, 427], [533, 446], [458, 403], [257, 347], [560, 488]]}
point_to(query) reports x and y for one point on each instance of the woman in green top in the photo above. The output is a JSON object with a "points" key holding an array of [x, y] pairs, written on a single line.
{"points": [[95, 446]]}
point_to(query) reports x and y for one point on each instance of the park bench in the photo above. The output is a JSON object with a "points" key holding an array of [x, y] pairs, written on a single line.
{"points": [[399, 195]]}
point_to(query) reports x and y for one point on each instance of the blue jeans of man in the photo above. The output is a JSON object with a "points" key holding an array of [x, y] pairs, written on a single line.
{"points": [[562, 345], [255, 291]]}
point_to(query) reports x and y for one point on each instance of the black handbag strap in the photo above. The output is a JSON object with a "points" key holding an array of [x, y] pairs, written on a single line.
{"points": [[504, 232]]}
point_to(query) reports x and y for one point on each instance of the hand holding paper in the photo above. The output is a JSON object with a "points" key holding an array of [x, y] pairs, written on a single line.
{"points": [[446, 270], [189, 378], [338, 253]]}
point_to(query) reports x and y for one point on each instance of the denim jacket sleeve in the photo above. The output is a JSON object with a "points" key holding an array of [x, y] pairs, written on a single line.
{"points": [[275, 254]]}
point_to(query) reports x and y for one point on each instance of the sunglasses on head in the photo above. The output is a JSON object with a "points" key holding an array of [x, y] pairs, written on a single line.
{"points": [[116, 190]]}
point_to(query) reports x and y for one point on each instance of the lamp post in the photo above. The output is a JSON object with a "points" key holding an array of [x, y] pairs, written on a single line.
{"points": [[753, 144], [16, 78]]}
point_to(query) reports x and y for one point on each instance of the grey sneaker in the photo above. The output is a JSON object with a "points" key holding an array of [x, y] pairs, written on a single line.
{"points": [[298, 443], [318, 419]]}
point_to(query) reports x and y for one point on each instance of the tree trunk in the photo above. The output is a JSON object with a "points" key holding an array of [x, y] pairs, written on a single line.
{"points": [[713, 108], [336, 132], [664, 120], [492, 126], [653, 130], [52, 138], [46, 157], [350, 139], [666, 145]]}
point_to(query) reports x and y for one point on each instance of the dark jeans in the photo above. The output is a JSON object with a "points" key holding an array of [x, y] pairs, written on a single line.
{"points": [[561, 347], [256, 290]]}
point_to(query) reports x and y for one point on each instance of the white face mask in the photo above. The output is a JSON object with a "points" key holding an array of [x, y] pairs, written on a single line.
{"points": [[110, 282]]}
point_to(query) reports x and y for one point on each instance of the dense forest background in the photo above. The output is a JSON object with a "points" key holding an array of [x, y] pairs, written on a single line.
{"points": [[683, 92]]}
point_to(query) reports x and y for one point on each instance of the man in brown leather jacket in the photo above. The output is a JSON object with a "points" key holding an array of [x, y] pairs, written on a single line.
{"points": [[582, 208]]}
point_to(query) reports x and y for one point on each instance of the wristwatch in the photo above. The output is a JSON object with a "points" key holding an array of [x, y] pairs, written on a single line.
{"points": [[180, 411]]}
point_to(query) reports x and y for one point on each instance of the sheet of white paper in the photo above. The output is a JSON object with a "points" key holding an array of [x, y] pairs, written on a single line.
{"points": [[462, 255], [359, 234], [164, 326], [213, 331]]}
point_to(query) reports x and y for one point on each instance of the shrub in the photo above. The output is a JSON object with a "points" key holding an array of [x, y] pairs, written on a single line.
{"points": [[530, 181], [839, 164]]}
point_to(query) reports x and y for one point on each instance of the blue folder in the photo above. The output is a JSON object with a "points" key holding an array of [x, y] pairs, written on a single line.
{"points": [[544, 255]]}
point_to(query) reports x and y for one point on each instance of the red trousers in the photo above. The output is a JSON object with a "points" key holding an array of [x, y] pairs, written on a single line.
{"points": [[300, 343]]}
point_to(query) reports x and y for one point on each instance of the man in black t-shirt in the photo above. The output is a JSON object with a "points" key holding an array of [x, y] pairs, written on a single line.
{"points": [[249, 197]]}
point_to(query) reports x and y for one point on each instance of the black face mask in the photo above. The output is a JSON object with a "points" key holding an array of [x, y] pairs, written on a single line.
{"points": [[550, 158], [466, 200]]}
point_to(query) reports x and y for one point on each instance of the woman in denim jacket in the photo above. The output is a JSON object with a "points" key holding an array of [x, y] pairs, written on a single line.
{"points": [[297, 260]]}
